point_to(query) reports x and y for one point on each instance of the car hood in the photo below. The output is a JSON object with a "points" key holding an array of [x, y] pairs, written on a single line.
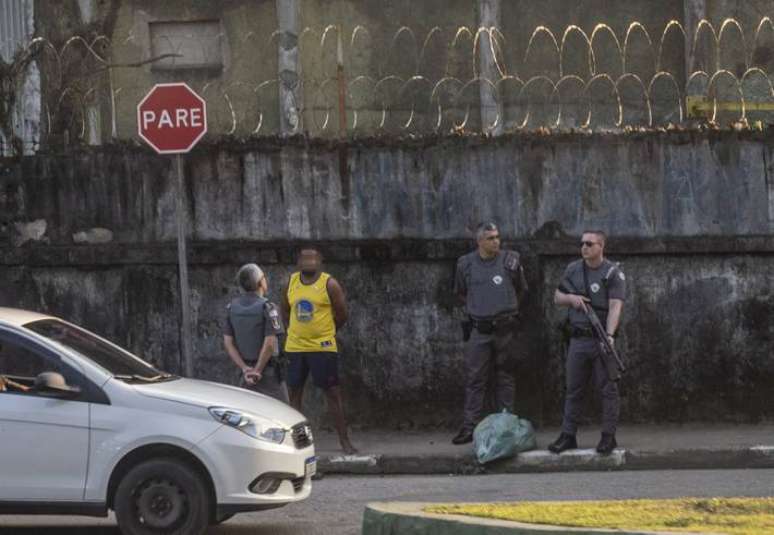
{"points": [[207, 394]]}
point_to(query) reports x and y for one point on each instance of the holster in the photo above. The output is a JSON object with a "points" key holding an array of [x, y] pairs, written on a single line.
{"points": [[496, 324], [485, 326], [467, 328], [565, 330]]}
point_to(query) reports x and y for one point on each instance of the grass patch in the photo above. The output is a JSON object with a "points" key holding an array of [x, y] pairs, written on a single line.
{"points": [[733, 516]]}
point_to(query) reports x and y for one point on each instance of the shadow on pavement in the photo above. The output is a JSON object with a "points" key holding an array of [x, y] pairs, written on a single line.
{"points": [[226, 529], [50, 530]]}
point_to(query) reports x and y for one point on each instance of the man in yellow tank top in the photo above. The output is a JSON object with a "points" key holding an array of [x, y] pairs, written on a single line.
{"points": [[314, 308]]}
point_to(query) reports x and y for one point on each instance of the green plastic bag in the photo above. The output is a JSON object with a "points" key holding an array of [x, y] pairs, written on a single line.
{"points": [[502, 435]]}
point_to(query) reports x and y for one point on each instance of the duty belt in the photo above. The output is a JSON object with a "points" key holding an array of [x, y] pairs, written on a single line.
{"points": [[487, 325], [581, 332]]}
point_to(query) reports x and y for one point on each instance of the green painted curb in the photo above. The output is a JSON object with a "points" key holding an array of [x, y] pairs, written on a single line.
{"points": [[408, 518]]}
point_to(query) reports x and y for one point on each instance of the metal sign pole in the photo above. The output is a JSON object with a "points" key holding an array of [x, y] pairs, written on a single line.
{"points": [[172, 118], [182, 260]]}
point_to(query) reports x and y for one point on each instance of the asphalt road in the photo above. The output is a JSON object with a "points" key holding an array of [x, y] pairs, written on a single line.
{"points": [[336, 504]]}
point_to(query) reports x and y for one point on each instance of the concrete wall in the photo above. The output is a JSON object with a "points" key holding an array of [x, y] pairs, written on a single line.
{"points": [[647, 187], [690, 218]]}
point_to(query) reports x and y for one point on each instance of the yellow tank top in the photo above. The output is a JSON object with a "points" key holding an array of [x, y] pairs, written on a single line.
{"points": [[311, 326]]}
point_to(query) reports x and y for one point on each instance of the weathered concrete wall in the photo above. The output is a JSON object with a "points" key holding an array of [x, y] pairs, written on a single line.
{"points": [[697, 335], [691, 218], [653, 186]]}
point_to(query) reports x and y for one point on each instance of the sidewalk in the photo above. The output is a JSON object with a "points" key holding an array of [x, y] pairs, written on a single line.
{"points": [[641, 447]]}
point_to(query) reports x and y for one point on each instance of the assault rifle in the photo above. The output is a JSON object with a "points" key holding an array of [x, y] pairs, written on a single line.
{"points": [[613, 363]]}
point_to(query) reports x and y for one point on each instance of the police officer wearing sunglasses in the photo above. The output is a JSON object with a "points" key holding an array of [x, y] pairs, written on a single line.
{"points": [[592, 281], [491, 284]]}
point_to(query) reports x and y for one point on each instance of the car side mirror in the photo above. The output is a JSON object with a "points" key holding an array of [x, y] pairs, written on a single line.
{"points": [[53, 384]]}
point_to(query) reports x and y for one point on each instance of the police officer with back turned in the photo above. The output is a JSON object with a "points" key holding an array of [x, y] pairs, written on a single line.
{"points": [[250, 331], [491, 284]]}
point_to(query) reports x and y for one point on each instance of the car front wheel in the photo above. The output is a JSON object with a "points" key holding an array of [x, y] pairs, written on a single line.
{"points": [[162, 496]]}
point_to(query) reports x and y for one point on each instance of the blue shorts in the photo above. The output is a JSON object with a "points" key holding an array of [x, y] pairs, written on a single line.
{"points": [[324, 366]]}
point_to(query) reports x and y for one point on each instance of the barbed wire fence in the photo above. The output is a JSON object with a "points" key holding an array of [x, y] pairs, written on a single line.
{"points": [[419, 83]]}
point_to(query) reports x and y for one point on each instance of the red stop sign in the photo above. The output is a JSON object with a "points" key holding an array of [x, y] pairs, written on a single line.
{"points": [[172, 118]]}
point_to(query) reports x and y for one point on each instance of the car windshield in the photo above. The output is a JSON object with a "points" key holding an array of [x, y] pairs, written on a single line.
{"points": [[121, 364]]}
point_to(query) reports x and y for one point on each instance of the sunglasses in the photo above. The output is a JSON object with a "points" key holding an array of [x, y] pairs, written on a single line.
{"points": [[588, 243]]}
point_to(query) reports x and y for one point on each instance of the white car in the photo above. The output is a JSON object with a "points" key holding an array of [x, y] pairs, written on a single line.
{"points": [[87, 427]]}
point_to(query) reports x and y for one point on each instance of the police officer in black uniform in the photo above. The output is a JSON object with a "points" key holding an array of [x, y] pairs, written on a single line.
{"points": [[250, 332], [491, 284], [596, 282]]}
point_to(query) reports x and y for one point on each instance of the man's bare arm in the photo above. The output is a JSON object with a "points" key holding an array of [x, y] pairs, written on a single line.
{"points": [[8, 385], [615, 308], [267, 350], [338, 302], [285, 306], [577, 302]]}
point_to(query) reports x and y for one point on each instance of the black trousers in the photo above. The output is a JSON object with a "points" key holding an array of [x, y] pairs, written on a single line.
{"points": [[489, 360], [584, 362]]}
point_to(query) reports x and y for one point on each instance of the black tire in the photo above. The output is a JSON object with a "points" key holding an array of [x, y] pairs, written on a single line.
{"points": [[162, 496]]}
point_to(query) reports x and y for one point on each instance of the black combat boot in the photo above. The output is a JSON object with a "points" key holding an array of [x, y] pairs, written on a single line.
{"points": [[607, 444], [563, 443], [463, 437]]}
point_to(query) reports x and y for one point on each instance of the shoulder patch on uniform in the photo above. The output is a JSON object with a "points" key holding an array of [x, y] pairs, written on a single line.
{"points": [[621, 276], [273, 315], [614, 267], [511, 260]]}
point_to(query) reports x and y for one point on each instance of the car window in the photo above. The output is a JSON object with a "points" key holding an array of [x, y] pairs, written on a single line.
{"points": [[114, 360], [22, 360], [19, 360]]}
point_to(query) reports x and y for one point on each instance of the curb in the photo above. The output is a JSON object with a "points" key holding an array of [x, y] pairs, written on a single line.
{"points": [[408, 518], [542, 461]]}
